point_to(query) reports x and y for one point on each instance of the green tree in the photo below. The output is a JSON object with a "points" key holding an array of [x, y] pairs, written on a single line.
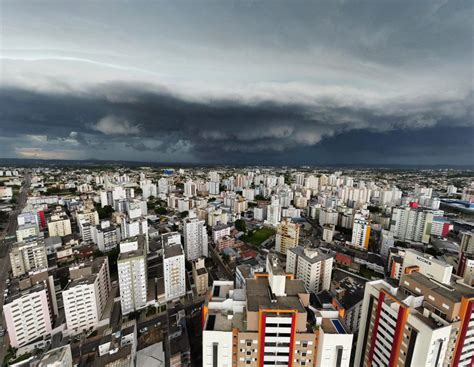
{"points": [[161, 210], [184, 214], [240, 225]]}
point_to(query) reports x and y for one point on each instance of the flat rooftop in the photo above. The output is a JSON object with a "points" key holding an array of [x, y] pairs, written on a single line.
{"points": [[259, 295]]}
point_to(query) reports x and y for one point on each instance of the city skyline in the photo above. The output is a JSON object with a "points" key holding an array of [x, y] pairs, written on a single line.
{"points": [[306, 83]]}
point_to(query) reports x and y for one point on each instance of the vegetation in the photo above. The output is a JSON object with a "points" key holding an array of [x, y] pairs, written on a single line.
{"points": [[259, 236], [184, 214], [105, 212], [161, 210], [240, 225]]}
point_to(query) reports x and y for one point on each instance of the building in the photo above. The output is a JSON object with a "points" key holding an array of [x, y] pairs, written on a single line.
{"points": [[106, 236], [90, 216], [273, 214], [328, 232], [287, 236], [427, 265], [312, 266], [86, 295], [27, 314], [28, 255], [413, 224], [59, 224], [57, 357], [190, 189], [220, 231], [360, 232], [466, 257], [173, 266], [195, 238], [347, 292], [26, 231], [200, 276], [334, 342], [387, 241], [271, 332], [132, 273], [420, 323]]}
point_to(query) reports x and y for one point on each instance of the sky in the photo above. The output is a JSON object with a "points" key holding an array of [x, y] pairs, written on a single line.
{"points": [[248, 82]]}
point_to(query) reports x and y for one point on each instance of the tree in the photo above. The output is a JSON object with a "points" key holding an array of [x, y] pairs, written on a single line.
{"points": [[225, 258], [184, 214], [105, 212], [161, 210], [240, 225]]}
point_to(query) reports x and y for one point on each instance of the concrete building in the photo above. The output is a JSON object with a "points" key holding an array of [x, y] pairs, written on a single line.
{"points": [[220, 231], [26, 231], [312, 266], [195, 238], [271, 332], [86, 295], [27, 314], [427, 265], [28, 255], [200, 276], [420, 323], [413, 224], [466, 257], [173, 266], [287, 236], [59, 224], [57, 357], [273, 214], [132, 273], [106, 236], [360, 232], [328, 232], [334, 342]]}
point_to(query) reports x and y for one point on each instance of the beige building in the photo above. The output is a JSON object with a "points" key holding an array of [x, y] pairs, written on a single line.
{"points": [[85, 297], [200, 276], [287, 236], [28, 255], [59, 224]]}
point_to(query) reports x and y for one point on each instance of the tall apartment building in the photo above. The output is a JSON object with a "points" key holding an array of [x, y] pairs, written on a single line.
{"points": [[312, 266], [413, 224], [466, 257], [195, 238], [59, 224], [90, 216], [420, 323], [200, 276], [190, 189], [86, 295], [287, 236], [28, 255], [271, 332], [26, 231], [360, 232], [273, 214], [27, 315], [132, 273], [106, 236], [173, 266]]}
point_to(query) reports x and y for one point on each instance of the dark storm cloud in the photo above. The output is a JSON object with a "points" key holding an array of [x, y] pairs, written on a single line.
{"points": [[141, 120]]}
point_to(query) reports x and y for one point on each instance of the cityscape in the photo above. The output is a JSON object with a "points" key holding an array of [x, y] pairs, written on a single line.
{"points": [[236, 266], [236, 183]]}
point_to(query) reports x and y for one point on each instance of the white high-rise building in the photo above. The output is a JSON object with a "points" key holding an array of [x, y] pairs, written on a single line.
{"points": [[59, 225], [85, 297], [27, 315], [273, 214], [132, 273], [312, 266], [413, 224], [173, 266], [190, 189], [360, 232], [195, 239], [148, 189]]}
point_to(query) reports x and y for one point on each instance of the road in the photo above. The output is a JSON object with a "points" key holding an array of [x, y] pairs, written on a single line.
{"points": [[5, 246]]}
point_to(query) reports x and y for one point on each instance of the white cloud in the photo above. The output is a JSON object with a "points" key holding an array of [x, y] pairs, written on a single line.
{"points": [[113, 125]]}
